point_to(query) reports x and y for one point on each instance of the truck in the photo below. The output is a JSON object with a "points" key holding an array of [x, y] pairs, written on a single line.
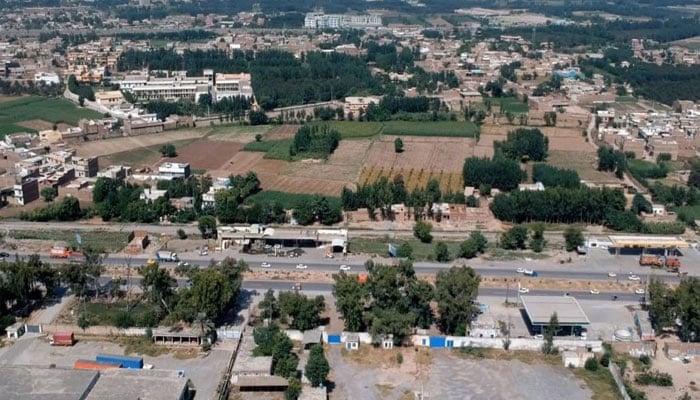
{"points": [[528, 272], [651, 260], [673, 264], [59, 252], [62, 339], [167, 256], [125, 361]]}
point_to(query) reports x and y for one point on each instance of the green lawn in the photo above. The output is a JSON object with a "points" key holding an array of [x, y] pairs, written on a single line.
{"points": [[35, 107], [273, 149], [511, 105], [626, 99], [289, 200], [356, 129], [105, 314]]}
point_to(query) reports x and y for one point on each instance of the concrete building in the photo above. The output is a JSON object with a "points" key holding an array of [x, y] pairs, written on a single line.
{"points": [[85, 167], [231, 85], [250, 373], [539, 310], [115, 172], [119, 384], [354, 105], [317, 20], [27, 191], [31, 383], [150, 195], [175, 170], [110, 98], [48, 78], [146, 88]]}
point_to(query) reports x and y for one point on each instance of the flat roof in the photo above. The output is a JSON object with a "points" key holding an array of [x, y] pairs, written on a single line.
{"points": [[261, 381], [312, 336], [119, 384], [37, 383], [662, 242], [246, 362], [313, 393], [539, 310]]}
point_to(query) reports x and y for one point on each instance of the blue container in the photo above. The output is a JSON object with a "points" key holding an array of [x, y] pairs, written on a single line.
{"points": [[125, 361], [333, 339], [438, 341]]}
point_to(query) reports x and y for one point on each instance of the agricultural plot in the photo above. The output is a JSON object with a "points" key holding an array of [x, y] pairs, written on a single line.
{"points": [[511, 105], [17, 110], [355, 129], [207, 154], [583, 162]]}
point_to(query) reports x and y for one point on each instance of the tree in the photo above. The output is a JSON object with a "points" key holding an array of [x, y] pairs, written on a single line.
{"points": [[49, 193], [305, 312], [549, 332], [502, 173], [442, 252], [293, 389], [514, 238], [168, 150], [573, 237], [207, 226], [525, 145], [268, 306], [640, 204], [455, 291], [467, 249], [537, 241], [258, 118], [350, 298], [398, 145], [258, 137], [405, 250], [317, 368], [422, 231], [157, 283]]}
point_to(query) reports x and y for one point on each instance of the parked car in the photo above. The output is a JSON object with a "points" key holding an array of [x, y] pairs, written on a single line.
{"points": [[612, 274], [595, 291], [634, 277], [302, 266], [265, 265], [639, 291], [345, 267], [520, 270], [203, 252], [524, 290]]}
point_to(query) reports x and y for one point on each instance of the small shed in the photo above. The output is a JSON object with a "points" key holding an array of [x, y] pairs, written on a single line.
{"points": [[311, 338], [15, 330], [352, 341], [388, 342]]}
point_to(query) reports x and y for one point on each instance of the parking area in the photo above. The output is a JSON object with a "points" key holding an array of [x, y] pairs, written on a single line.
{"points": [[204, 371]]}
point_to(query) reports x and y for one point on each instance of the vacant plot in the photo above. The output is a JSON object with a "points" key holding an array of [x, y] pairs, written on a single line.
{"points": [[583, 162], [41, 125], [485, 146], [207, 154], [40, 108], [237, 133], [131, 143], [281, 132], [146, 156]]}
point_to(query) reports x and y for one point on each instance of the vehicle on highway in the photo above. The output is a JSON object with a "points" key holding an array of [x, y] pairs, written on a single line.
{"points": [[183, 264], [639, 291], [151, 262], [345, 267], [595, 291], [167, 256], [524, 290], [520, 270], [533, 274], [527, 271], [203, 252], [302, 266], [612, 274], [634, 277], [4, 254], [265, 265], [296, 286]]}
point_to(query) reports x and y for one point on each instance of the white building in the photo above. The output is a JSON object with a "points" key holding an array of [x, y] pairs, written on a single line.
{"points": [[337, 21], [230, 85], [150, 195], [49, 78], [175, 170]]}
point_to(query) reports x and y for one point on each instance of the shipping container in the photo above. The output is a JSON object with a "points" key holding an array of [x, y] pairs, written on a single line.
{"points": [[62, 339], [125, 361], [94, 365]]}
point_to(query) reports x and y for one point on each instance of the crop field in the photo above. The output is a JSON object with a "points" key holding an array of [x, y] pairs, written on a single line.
{"points": [[281, 132], [413, 179], [511, 105], [355, 129], [290, 200], [207, 154], [145, 156], [14, 111], [583, 162], [276, 149]]}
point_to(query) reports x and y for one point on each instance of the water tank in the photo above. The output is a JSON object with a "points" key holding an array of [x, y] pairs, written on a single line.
{"points": [[623, 335]]}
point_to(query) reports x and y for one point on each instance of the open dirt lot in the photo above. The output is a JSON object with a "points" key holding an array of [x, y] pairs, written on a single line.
{"points": [[208, 154], [485, 146], [118, 145], [429, 153], [281, 132], [41, 125]]}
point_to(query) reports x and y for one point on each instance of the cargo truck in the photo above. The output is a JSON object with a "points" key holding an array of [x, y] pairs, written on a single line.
{"points": [[167, 256], [62, 339], [125, 361], [651, 260], [59, 252]]}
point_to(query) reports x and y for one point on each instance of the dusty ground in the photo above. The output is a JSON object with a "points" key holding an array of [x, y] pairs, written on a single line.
{"points": [[683, 375], [118, 145], [41, 125], [427, 153], [207, 154], [282, 132]]}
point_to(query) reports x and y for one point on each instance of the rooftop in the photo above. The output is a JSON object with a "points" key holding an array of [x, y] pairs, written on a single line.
{"points": [[660, 242], [35, 383], [539, 310], [118, 384]]}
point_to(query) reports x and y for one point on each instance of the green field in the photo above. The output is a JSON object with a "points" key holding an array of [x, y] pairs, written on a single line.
{"points": [[34, 107], [511, 105], [147, 155], [273, 149], [626, 99], [289, 200], [355, 129], [106, 314]]}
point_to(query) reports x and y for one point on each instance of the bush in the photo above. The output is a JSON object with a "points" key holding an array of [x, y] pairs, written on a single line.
{"points": [[654, 378], [404, 250], [605, 360], [399, 358], [181, 234], [644, 359], [442, 252], [398, 145], [422, 231], [123, 320], [591, 364]]}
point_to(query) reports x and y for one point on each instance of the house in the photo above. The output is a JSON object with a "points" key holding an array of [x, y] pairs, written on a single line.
{"points": [[358, 105], [175, 170], [85, 167], [352, 341], [15, 330], [27, 191], [183, 203], [118, 172], [311, 337], [150, 195], [532, 187], [109, 98]]}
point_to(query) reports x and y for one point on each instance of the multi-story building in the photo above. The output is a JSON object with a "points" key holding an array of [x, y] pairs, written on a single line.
{"points": [[338, 21], [230, 85], [85, 167], [175, 170], [27, 191]]}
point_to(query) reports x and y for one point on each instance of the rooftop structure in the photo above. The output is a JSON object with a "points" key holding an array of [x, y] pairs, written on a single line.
{"points": [[35, 383], [118, 384], [654, 242], [539, 310]]}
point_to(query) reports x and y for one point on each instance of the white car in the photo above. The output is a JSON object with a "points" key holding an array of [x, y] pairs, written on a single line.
{"points": [[345, 267], [520, 270], [633, 277], [595, 291], [524, 290], [612, 274], [639, 291], [265, 265], [527, 271], [302, 266]]}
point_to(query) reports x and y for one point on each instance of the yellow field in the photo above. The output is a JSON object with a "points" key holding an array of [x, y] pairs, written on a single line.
{"points": [[414, 178]]}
